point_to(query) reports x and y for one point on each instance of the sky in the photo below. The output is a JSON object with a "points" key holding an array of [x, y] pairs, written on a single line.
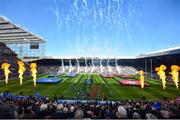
{"points": [[98, 27]]}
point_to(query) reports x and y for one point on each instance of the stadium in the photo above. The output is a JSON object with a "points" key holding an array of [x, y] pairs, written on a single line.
{"points": [[95, 87]]}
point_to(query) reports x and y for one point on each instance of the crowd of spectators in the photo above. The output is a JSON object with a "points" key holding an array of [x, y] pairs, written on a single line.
{"points": [[125, 70], [9, 56], [47, 69], [32, 107]]}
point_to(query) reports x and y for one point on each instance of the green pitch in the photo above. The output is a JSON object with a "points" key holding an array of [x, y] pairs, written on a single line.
{"points": [[75, 88]]}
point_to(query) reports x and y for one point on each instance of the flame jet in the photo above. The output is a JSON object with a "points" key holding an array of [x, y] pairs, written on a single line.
{"points": [[161, 72], [175, 74], [141, 73], [5, 67], [33, 67], [21, 71]]}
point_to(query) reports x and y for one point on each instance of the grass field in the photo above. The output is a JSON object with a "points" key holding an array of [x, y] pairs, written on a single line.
{"points": [[71, 88]]}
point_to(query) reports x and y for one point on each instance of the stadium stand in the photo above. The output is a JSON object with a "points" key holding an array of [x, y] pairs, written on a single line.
{"points": [[14, 106], [50, 66], [9, 56], [20, 40], [41, 107]]}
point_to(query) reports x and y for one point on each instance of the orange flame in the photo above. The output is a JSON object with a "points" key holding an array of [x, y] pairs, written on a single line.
{"points": [[5, 67], [141, 72], [175, 74], [33, 72], [161, 72], [21, 71]]}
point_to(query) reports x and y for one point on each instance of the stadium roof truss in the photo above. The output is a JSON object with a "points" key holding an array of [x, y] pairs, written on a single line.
{"points": [[12, 34]]}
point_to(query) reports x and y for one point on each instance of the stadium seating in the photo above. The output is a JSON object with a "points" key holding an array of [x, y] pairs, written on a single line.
{"points": [[9, 56], [56, 69], [41, 107]]}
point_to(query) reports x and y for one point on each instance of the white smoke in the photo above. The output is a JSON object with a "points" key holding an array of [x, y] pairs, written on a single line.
{"points": [[106, 19]]}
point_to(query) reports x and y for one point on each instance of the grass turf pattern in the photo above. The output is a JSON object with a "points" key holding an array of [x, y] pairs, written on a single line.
{"points": [[75, 88]]}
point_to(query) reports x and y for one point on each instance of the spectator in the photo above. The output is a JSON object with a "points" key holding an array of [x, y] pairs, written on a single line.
{"points": [[20, 112], [44, 113], [150, 116], [29, 114], [121, 113], [136, 115], [71, 113], [17, 107], [59, 112], [79, 114], [7, 112]]}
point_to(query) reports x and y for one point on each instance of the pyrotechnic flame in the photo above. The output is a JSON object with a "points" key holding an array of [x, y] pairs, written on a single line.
{"points": [[141, 72], [5, 67], [161, 72], [175, 75], [33, 72], [21, 71]]}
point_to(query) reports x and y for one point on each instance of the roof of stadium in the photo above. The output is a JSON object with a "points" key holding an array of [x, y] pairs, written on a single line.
{"points": [[79, 57], [12, 33], [92, 57], [169, 51]]}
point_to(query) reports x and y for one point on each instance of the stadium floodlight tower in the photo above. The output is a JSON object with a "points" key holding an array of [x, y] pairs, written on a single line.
{"points": [[27, 45]]}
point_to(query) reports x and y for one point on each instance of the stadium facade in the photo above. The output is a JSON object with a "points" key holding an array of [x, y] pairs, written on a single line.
{"points": [[25, 44]]}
